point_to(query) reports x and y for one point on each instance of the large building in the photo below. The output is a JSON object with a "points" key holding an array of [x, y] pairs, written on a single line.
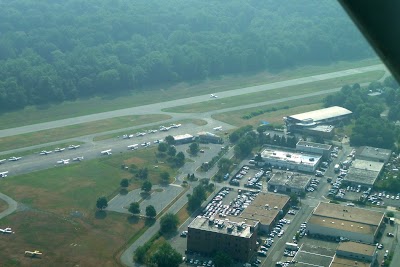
{"points": [[315, 148], [318, 122], [290, 160], [288, 182], [373, 154], [364, 172], [235, 236], [267, 208], [342, 221]]}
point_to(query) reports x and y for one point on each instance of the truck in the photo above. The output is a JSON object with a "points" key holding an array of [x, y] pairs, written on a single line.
{"points": [[337, 168], [292, 246]]}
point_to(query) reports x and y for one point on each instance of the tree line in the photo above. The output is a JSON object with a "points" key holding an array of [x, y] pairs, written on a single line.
{"points": [[53, 51]]}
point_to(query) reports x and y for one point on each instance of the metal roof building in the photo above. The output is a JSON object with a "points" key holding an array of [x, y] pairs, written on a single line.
{"points": [[319, 115]]}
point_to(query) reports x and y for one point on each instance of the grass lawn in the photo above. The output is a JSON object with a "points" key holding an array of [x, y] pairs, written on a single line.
{"points": [[289, 91], [275, 117], [197, 122], [183, 214], [31, 115], [3, 205], [61, 133], [51, 195]]}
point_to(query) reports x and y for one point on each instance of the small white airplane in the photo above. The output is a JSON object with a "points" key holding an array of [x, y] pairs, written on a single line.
{"points": [[44, 152], [213, 96], [140, 134], [165, 129], [133, 147], [6, 231], [78, 158], [63, 161], [14, 158], [3, 174], [73, 146], [2, 161], [219, 128], [106, 152], [59, 149], [33, 254]]}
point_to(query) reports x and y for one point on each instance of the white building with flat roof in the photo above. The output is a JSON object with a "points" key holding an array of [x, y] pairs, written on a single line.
{"points": [[291, 160]]}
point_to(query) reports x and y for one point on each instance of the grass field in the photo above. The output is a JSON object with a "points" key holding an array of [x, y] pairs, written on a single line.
{"points": [[52, 195], [197, 122], [3, 205], [252, 98], [93, 105], [275, 117], [62, 133]]}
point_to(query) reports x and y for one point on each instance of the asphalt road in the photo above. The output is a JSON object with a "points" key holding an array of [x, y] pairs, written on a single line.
{"points": [[157, 107]]}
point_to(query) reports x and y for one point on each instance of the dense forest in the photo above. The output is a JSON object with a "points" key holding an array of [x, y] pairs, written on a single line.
{"points": [[57, 50], [368, 105]]}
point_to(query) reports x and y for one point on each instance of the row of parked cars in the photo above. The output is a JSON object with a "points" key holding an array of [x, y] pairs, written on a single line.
{"points": [[239, 175], [216, 207], [313, 185], [255, 182]]}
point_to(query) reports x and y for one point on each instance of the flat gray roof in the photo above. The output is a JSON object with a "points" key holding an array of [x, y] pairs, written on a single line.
{"points": [[322, 114], [364, 171], [314, 145], [358, 248], [211, 225], [378, 154], [290, 179], [182, 137], [367, 165], [296, 158]]}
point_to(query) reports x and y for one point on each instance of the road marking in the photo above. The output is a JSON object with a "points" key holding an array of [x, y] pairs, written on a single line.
{"points": [[316, 254], [310, 264]]}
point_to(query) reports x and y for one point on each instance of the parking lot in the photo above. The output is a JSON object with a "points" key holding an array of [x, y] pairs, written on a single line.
{"points": [[159, 198], [249, 177]]}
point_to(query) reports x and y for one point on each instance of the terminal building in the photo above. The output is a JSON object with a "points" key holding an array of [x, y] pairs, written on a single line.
{"points": [[288, 182], [343, 221], [206, 137], [291, 161], [267, 208], [318, 122], [235, 236], [315, 148], [363, 172], [373, 154]]}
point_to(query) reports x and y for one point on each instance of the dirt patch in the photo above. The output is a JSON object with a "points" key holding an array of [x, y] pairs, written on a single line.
{"points": [[134, 160]]}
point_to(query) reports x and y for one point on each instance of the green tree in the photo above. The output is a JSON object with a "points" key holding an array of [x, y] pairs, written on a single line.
{"points": [[102, 203], [124, 183], [294, 199], [146, 186], [169, 223], [134, 208], [170, 140], [222, 259], [141, 253], [164, 177], [151, 211], [162, 147], [166, 256], [171, 151], [179, 159], [224, 165], [194, 148], [390, 214]]}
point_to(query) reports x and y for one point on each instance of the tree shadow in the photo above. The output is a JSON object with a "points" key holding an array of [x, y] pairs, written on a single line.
{"points": [[100, 214], [170, 235], [150, 221], [145, 195], [123, 191], [133, 219]]}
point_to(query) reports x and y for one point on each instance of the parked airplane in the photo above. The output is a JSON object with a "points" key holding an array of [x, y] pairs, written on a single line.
{"points": [[44, 152], [14, 158], [6, 231], [63, 161], [213, 96], [106, 152], [33, 254], [59, 149], [165, 128], [3, 174], [73, 146], [219, 128], [2, 161], [78, 158], [133, 147], [127, 136], [140, 134]]}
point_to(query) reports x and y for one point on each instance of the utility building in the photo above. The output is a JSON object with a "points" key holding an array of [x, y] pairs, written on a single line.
{"points": [[315, 148]]}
